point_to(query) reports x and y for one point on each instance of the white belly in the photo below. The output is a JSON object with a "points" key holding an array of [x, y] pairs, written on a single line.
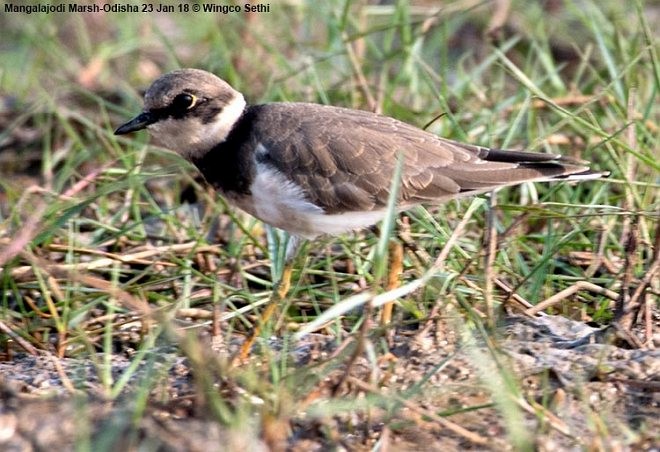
{"points": [[280, 203]]}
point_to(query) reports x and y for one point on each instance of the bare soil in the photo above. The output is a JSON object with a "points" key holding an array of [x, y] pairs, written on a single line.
{"points": [[569, 380]]}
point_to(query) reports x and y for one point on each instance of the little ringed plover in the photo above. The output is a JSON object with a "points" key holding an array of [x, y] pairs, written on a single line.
{"points": [[314, 169]]}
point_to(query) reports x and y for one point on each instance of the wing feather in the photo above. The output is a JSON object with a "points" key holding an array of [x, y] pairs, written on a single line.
{"points": [[344, 160]]}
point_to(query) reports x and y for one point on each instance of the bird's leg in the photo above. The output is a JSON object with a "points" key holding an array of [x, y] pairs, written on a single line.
{"points": [[284, 284], [395, 268], [280, 289]]}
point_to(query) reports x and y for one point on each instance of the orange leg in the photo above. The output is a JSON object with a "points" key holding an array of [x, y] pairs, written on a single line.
{"points": [[395, 252], [277, 296], [280, 290]]}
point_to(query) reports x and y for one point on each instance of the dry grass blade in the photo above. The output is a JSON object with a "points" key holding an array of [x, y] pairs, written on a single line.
{"points": [[104, 257], [25, 345], [499, 18], [489, 258], [138, 257], [573, 289]]}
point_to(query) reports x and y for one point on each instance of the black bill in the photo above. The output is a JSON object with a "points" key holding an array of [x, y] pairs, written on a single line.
{"points": [[138, 123]]}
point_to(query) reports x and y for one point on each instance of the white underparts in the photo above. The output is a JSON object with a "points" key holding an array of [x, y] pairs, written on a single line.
{"points": [[279, 202]]}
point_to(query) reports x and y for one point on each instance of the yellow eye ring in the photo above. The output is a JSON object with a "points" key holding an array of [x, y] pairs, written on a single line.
{"points": [[193, 101], [184, 101]]}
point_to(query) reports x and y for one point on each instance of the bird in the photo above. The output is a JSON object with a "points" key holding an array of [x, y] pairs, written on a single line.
{"points": [[312, 169]]}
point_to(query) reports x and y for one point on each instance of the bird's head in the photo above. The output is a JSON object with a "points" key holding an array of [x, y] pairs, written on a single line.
{"points": [[188, 111]]}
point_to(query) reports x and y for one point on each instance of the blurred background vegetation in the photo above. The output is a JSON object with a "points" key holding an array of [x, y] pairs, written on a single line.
{"points": [[98, 234]]}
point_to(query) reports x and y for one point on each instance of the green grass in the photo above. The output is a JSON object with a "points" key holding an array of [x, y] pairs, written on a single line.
{"points": [[100, 249]]}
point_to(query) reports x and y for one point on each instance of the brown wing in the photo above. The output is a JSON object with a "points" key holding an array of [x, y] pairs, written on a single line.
{"points": [[345, 159]]}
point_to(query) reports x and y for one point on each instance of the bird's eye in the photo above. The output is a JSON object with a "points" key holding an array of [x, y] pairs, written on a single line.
{"points": [[184, 101]]}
